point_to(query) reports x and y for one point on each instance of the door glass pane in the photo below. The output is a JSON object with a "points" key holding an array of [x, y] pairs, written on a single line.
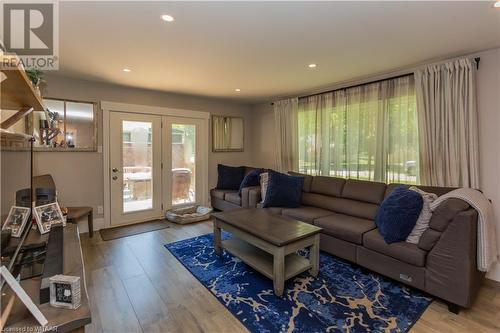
{"points": [[137, 165], [183, 163]]}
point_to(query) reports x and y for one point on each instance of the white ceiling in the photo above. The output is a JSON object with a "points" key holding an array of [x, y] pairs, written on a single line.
{"points": [[263, 48]]}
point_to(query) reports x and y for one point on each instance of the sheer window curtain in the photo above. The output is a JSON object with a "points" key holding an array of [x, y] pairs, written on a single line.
{"points": [[365, 132], [448, 124], [285, 119]]}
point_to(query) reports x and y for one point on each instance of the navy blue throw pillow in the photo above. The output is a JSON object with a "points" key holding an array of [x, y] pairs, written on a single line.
{"points": [[229, 178], [398, 214], [252, 179], [283, 190]]}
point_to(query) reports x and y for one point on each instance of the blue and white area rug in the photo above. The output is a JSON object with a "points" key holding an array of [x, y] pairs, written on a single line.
{"points": [[343, 298]]}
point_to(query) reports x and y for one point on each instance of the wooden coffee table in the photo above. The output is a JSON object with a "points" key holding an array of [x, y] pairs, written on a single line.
{"points": [[268, 243]]}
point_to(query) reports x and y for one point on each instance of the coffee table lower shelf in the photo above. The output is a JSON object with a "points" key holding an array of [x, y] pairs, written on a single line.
{"points": [[262, 261]]}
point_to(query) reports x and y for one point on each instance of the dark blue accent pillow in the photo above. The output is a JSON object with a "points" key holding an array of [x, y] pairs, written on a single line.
{"points": [[252, 179], [229, 178], [283, 190], [398, 214]]}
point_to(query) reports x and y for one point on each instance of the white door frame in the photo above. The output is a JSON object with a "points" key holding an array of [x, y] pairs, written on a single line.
{"points": [[108, 107]]}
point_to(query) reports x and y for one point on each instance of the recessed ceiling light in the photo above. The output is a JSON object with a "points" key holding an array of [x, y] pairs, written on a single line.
{"points": [[237, 89], [127, 70], [497, 4], [312, 65], [167, 18]]}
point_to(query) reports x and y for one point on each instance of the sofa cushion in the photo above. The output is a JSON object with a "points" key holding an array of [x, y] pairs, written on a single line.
{"points": [[345, 227], [251, 179], [264, 182], [429, 238], [283, 190], [251, 196], [307, 180], [340, 205], [229, 178], [220, 194], [331, 186], [248, 170], [364, 191], [306, 213], [443, 214], [398, 214], [391, 187], [429, 189], [233, 197], [404, 251], [424, 218]]}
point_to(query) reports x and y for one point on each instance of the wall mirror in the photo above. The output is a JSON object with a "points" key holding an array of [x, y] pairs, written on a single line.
{"points": [[65, 126], [227, 134]]}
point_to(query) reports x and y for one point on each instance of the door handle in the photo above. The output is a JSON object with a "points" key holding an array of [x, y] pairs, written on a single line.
{"points": [[114, 170], [115, 177]]}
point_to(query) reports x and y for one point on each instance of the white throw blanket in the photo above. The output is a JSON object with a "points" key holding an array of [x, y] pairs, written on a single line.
{"points": [[486, 236]]}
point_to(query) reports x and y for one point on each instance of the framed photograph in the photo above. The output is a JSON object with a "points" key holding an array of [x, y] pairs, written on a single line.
{"points": [[65, 291], [18, 216], [21, 294], [46, 215]]}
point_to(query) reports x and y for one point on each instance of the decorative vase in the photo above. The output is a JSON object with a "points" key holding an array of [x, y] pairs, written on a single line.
{"points": [[37, 91]]}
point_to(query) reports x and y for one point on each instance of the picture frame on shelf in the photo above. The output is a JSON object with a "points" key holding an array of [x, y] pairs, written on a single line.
{"points": [[65, 291], [23, 296], [16, 220], [48, 214]]}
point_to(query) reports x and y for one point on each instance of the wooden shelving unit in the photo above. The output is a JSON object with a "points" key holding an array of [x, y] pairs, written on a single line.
{"points": [[12, 141], [16, 90]]}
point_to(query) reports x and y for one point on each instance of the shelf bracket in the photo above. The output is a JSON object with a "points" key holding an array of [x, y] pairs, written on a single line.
{"points": [[23, 112]]}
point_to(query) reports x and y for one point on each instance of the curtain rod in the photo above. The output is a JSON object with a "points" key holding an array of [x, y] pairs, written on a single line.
{"points": [[360, 84], [477, 60]]}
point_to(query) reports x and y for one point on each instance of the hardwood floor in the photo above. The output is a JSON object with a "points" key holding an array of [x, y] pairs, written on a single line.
{"points": [[136, 285]]}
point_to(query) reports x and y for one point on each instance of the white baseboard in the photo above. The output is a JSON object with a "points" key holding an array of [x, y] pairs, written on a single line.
{"points": [[83, 225]]}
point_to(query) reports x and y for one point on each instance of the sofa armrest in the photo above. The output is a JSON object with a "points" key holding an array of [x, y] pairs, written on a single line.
{"points": [[451, 268], [250, 196]]}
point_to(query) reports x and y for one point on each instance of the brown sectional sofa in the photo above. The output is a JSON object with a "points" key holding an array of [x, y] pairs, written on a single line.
{"points": [[230, 199], [443, 263]]}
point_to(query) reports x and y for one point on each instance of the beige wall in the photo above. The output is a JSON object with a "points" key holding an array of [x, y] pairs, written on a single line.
{"points": [[79, 175], [488, 96], [264, 137], [488, 93]]}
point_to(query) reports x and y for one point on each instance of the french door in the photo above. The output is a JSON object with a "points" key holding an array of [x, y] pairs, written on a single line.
{"points": [[182, 152], [156, 163]]}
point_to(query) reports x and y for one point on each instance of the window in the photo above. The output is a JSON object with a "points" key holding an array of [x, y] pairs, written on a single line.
{"points": [[366, 132], [127, 137], [177, 136], [65, 125]]}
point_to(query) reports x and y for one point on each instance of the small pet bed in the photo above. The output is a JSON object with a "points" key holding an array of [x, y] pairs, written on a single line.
{"points": [[189, 214]]}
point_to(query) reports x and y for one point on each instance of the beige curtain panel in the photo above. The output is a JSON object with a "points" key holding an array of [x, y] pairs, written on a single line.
{"points": [[448, 124], [285, 119]]}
